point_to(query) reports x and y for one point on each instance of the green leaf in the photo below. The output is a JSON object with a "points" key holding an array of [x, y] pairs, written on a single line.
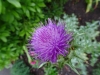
{"points": [[27, 13], [0, 6], [9, 18], [42, 64], [93, 61], [48, 0], [32, 4], [32, 9], [22, 33], [16, 14], [89, 6], [15, 3], [41, 5], [3, 39], [97, 1], [74, 69], [38, 10], [87, 1], [28, 56], [41, 15]]}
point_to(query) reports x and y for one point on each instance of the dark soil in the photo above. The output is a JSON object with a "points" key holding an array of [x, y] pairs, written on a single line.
{"points": [[66, 70], [78, 7], [33, 71]]}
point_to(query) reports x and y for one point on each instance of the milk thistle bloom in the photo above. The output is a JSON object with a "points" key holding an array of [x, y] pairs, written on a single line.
{"points": [[50, 41]]}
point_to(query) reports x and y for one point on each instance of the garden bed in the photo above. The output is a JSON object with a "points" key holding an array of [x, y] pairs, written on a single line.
{"points": [[77, 7]]}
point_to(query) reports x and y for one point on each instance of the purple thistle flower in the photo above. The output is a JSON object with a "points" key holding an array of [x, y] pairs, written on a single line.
{"points": [[50, 41]]}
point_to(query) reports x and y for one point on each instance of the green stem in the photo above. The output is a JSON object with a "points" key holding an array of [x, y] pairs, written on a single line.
{"points": [[89, 6], [96, 4], [27, 54]]}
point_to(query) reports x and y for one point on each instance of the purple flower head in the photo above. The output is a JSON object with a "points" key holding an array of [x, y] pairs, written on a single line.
{"points": [[50, 41]]}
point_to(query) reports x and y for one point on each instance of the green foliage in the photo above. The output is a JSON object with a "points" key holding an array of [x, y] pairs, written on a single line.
{"points": [[96, 71], [90, 3], [50, 70], [84, 43], [17, 20], [54, 8], [20, 68]]}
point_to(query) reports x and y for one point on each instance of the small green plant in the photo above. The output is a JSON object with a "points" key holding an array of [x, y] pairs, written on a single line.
{"points": [[50, 70], [90, 4], [20, 68], [84, 43], [96, 70]]}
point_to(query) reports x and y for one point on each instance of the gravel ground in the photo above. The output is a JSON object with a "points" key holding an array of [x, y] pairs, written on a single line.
{"points": [[5, 72]]}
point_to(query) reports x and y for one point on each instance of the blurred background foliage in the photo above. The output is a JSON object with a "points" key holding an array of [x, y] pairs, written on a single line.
{"points": [[18, 18]]}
